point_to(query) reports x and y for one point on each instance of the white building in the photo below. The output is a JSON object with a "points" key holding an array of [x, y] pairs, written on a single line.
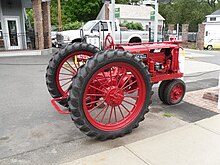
{"points": [[132, 13], [212, 26], [14, 31]]}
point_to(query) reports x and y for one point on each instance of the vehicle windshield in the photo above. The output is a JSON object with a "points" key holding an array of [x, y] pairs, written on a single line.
{"points": [[88, 25]]}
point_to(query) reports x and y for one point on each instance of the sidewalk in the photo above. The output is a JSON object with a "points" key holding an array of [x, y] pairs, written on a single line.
{"points": [[193, 144]]}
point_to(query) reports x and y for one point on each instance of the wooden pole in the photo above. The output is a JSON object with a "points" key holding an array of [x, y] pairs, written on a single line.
{"points": [[59, 16]]}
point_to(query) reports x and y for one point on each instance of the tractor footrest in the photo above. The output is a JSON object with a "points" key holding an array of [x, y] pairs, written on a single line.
{"points": [[55, 104]]}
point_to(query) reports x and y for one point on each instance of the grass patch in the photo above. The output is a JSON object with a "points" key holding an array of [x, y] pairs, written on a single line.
{"points": [[167, 114]]}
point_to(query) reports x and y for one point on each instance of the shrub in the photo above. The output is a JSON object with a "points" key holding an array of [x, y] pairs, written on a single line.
{"points": [[132, 25], [72, 25]]}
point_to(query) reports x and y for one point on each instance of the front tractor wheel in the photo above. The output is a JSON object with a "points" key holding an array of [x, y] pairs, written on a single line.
{"points": [[110, 95], [162, 88], [174, 92]]}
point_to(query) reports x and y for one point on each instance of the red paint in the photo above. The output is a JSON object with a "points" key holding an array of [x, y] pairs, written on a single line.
{"points": [[176, 93], [114, 110], [59, 110], [164, 53], [109, 42]]}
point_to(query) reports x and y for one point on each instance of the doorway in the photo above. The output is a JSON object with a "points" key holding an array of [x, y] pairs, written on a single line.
{"points": [[13, 33]]}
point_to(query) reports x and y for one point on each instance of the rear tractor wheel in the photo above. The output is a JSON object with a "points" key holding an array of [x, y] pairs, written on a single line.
{"points": [[110, 95], [64, 65]]}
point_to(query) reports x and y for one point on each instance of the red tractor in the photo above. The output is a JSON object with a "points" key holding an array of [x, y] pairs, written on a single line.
{"points": [[109, 92]]}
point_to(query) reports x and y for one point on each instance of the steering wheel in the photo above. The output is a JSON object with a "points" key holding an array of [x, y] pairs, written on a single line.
{"points": [[109, 42]]}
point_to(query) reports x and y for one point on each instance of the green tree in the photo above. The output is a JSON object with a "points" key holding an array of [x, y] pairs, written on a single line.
{"points": [[191, 12], [75, 10], [121, 1]]}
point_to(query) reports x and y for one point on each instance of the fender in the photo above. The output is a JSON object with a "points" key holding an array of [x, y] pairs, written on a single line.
{"points": [[134, 35]]}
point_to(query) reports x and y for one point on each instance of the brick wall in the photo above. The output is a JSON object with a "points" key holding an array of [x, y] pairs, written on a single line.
{"points": [[200, 38], [185, 28], [46, 24], [39, 38]]}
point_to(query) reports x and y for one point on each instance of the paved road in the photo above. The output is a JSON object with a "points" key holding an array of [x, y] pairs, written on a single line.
{"points": [[205, 55], [32, 131]]}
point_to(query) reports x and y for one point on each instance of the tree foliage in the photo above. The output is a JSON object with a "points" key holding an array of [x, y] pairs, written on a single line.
{"points": [[75, 10], [190, 12]]}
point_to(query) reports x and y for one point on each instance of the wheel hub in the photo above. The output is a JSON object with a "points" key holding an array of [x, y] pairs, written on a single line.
{"points": [[177, 93], [114, 97]]}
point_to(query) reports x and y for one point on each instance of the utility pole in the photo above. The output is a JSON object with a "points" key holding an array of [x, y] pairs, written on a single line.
{"points": [[113, 19], [59, 16], [156, 21]]}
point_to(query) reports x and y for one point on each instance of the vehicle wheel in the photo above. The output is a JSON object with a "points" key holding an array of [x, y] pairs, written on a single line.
{"points": [[63, 66], [174, 92], [108, 78], [210, 47], [161, 89], [135, 40]]}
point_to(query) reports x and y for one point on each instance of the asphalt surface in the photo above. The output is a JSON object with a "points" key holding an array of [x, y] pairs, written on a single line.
{"points": [[32, 131]]}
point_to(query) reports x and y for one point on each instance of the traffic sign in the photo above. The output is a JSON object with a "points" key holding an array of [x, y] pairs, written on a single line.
{"points": [[152, 15], [117, 12]]}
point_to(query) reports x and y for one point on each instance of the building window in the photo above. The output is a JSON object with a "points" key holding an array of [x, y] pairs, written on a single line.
{"points": [[1, 37], [212, 18], [206, 33]]}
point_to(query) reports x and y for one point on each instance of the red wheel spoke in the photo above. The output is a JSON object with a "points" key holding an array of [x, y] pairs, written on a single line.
{"points": [[66, 74], [125, 82], [116, 120], [98, 95], [129, 102], [104, 76], [130, 84], [131, 96], [121, 112], [68, 70], [111, 74], [66, 91], [121, 76], [109, 120], [97, 80], [93, 102], [70, 66], [125, 108], [104, 114], [104, 108], [91, 110], [66, 83], [96, 88], [65, 79], [131, 91]]}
